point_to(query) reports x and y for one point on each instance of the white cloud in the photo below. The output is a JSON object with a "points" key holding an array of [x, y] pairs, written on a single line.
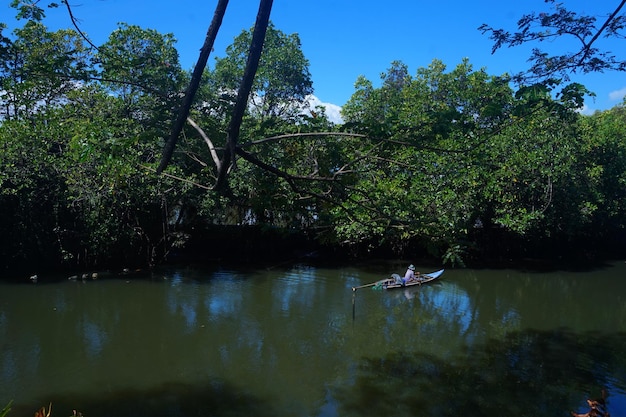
{"points": [[333, 111], [586, 110], [617, 94]]}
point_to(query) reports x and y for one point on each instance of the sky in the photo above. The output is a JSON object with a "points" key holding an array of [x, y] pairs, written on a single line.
{"points": [[343, 39]]}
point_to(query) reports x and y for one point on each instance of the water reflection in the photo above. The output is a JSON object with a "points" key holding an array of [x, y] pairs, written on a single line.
{"points": [[94, 338], [224, 301], [527, 373], [296, 289], [8, 366], [300, 342]]}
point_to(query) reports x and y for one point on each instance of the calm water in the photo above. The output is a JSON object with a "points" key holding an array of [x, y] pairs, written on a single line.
{"points": [[300, 342]]}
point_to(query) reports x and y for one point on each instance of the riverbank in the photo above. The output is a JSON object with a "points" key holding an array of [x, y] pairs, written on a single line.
{"points": [[272, 247]]}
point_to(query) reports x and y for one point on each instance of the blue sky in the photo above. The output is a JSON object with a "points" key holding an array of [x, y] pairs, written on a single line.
{"points": [[343, 39]]}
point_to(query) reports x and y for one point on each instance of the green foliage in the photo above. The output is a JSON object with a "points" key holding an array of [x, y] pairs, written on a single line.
{"points": [[461, 155], [436, 159], [30, 9], [282, 82], [454, 255], [141, 67], [138, 61], [421, 177], [39, 68], [605, 170], [277, 107], [75, 190]]}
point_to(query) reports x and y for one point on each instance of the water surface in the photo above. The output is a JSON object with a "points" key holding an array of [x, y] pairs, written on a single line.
{"points": [[299, 342]]}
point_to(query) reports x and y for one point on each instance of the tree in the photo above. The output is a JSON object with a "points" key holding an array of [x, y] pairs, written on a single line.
{"points": [[243, 92], [279, 156], [141, 67], [420, 170], [460, 157], [561, 22], [30, 191], [73, 190], [376, 110], [605, 171], [40, 68], [282, 82], [192, 88]]}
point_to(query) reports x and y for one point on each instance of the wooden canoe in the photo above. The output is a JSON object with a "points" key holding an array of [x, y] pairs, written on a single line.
{"points": [[396, 280]]}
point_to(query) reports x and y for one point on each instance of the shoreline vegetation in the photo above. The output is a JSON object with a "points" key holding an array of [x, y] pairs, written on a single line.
{"points": [[258, 247]]}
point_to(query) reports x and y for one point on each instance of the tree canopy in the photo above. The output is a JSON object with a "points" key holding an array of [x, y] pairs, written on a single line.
{"points": [[451, 162]]}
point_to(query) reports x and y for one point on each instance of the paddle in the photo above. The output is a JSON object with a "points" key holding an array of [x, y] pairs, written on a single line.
{"points": [[365, 286], [371, 285]]}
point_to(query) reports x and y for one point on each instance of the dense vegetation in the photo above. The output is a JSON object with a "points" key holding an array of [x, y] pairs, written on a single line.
{"points": [[452, 163]]}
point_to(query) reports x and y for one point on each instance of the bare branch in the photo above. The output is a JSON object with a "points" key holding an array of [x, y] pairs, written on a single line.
{"points": [[279, 173], [75, 23], [175, 177], [196, 158], [301, 135], [292, 182], [604, 26], [216, 158]]}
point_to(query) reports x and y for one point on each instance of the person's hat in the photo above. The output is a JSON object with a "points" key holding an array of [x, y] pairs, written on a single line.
{"points": [[411, 267]]}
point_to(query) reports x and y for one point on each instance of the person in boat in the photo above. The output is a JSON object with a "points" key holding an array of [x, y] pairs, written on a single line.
{"points": [[409, 275]]}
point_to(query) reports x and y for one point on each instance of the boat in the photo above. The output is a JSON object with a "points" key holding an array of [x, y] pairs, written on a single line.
{"points": [[395, 281]]}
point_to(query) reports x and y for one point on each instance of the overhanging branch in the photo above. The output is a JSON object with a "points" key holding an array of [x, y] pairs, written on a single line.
{"points": [[207, 140]]}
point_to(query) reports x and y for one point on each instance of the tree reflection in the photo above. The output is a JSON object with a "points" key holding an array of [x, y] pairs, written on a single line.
{"points": [[213, 398], [526, 373]]}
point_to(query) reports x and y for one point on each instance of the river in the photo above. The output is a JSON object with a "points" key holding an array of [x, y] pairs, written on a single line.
{"points": [[297, 341]]}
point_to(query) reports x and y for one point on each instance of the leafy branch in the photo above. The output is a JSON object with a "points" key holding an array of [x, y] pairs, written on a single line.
{"points": [[541, 27]]}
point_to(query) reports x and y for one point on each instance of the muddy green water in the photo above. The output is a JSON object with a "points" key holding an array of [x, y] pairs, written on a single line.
{"points": [[298, 341]]}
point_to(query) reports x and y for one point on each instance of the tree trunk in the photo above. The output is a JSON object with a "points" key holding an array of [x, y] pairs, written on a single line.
{"points": [[254, 55], [205, 51]]}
